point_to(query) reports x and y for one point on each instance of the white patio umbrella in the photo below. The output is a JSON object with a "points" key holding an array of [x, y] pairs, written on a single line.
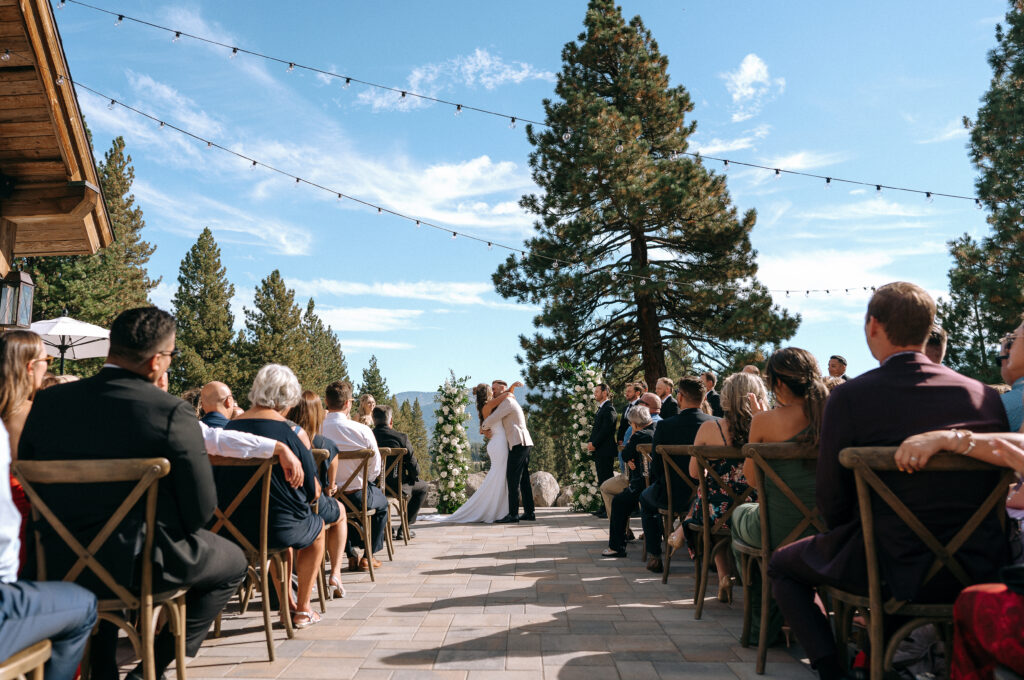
{"points": [[67, 337]]}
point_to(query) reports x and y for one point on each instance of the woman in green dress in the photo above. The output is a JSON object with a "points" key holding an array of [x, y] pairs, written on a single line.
{"points": [[793, 377]]}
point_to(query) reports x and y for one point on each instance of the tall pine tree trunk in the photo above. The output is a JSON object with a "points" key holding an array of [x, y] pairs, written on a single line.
{"points": [[652, 353]]}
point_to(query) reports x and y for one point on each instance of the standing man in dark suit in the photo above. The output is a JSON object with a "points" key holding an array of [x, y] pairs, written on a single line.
{"points": [[410, 484], [121, 413], [601, 444], [632, 399], [906, 395], [713, 398], [679, 430], [664, 388]]}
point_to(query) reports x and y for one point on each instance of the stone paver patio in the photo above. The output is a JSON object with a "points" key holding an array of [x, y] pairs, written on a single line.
{"points": [[533, 600]]}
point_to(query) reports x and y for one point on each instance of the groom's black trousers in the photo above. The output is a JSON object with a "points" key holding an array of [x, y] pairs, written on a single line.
{"points": [[517, 474]]}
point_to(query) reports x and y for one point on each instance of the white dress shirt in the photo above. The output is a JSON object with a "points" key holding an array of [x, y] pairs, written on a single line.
{"points": [[234, 444], [349, 435], [10, 518]]}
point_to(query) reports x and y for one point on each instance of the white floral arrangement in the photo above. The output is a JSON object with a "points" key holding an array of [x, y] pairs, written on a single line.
{"points": [[586, 495], [449, 447]]}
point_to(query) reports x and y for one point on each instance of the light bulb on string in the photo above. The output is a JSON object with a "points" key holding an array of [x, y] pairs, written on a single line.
{"points": [[403, 94], [120, 18], [112, 104], [928, 197], [253, 166], [348, 82], [674, 155], [234, 53], [454, 235], [1022, 212], [291, 67], [828, 182], [379, 211], [60, 5], [458, 109], [878, 190], [297, 180], [162, 127], [6, 56], [177, 37], [977, 203], [618, 147], [787, 293], [567, 135], [209, 144], [725, 165], [778, 174], [512, 123], [60, 80], [490, 246], [417, 224]]}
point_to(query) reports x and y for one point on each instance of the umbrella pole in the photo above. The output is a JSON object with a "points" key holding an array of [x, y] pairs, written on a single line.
{"points": [[62, 361]]}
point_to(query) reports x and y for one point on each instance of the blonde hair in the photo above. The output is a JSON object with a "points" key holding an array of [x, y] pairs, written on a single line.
{"points": [[736, 405], [365, 413], [308, 414], [17, 349]]}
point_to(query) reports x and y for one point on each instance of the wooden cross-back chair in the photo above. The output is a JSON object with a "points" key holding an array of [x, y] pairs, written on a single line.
{"points": [[715, 537], [259, 556], [28, 663], [866, 463], [675, 459], [765, 457], [645, 455], [358, 516], [146, 473], [381, 483], [394, 461], [320, 457]]}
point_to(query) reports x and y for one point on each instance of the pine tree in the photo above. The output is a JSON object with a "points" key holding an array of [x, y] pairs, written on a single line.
{"points": [[658, 251], [987, 280], [374, 383], [419, 440], [202, 306], [323, 361], [96, 288], [273, 330]]}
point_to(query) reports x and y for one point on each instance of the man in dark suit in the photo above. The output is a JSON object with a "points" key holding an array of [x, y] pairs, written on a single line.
{"points": [[632, 399], [121, 413], [669, 407], [414, 490], [601, 444], [713, 398], [906, 395], [680, 430]]}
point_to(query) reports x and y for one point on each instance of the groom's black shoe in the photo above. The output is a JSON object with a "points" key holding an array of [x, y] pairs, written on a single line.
{"points": [[508, 519], [527, 517]]}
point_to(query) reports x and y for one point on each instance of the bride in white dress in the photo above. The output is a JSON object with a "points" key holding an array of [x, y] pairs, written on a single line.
{"points": [[490, 502]]}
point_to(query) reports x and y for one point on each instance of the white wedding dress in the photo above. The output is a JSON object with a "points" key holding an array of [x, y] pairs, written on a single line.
{"points": [[490, 502]]}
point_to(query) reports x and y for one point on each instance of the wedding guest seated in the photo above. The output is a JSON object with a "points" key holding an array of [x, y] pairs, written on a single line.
{"points": [[191, 396], [663, 389], [365, 412], [751, 369], [291, 521], [793, 378], [613, 486], [935, 348], [680, 429], [908, 394], [625, 502], [738, 390], [1011, 367], [31, 611], [49, 380], [413, 489], [23, 363], [349, 435], [837, 367], [217, 403], [309, 415], [711, 396], [121, 413]]}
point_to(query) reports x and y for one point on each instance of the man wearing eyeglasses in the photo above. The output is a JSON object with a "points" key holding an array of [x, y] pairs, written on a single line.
{"points": [[1011, 367]]}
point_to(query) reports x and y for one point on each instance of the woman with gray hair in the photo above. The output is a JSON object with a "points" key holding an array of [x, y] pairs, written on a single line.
{"points": [[292, 522], [626, 501]]}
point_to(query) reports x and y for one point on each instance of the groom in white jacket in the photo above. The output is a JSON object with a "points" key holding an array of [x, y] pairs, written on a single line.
{"points": [[517, 473]]}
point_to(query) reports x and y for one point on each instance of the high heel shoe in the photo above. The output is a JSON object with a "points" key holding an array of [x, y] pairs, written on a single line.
{"points": [[725, 590], [337, 589], [675, 541]]}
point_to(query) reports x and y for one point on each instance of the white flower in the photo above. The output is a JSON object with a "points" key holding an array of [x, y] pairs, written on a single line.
{"points": [[576, 456], [590, 385], [451, 484], [590, 371], [444, 409], [459, 429], [448, 429], [579, 388], [444, 473]]}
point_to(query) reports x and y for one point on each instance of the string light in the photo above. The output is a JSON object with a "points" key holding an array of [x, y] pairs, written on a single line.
{"points": [[490, 246], [60, 80], [177, 36], [977, 203], [348, 83], [778, 173], [458, 110], [291, 67], [878, 189], [928, 197], [111, 105], [567, 135], [120, 18], [524, 255], [512, 123], [403, 94], [618, 147], [828, 182], [6, 56], [234, 53]]}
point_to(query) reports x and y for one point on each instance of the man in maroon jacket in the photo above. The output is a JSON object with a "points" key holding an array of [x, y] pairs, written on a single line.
{"points": [[906, 395]]}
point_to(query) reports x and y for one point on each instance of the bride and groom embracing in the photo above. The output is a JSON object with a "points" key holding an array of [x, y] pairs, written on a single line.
{"points": [[508, 446]]}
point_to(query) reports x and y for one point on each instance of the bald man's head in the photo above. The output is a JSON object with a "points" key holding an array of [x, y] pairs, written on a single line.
{"points": [[216, 397]]}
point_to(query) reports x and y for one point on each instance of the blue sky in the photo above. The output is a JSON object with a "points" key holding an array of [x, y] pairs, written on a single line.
{"points": [[872, 91]]}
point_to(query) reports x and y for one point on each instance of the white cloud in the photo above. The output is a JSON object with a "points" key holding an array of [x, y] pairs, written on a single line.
{"points": [[953, 130], [350, 346], [188, 214], [867, 209], [479, 69], [180, 109], [447, 292], [717, 145], [189, 20], [371, 319], [162, 295], [797, 161], [751, 87]]}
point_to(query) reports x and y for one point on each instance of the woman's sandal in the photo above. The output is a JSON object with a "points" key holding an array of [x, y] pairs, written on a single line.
{"points": [[336, 586], [608, 552], [310, 617], [675, 541]]}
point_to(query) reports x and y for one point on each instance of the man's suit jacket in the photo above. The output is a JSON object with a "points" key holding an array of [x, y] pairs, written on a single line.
{"points": [[629, 453], [620, 434], [680, 430], [669, 408], [602, 434], [715, 402], [391, 438], [509, 415], [118, 414], [905, 396]]}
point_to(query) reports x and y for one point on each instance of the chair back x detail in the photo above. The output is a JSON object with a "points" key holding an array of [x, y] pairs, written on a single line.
{"points": [[146, 473], [867, 463], [358, 516], [676, 460], [394, 462]]}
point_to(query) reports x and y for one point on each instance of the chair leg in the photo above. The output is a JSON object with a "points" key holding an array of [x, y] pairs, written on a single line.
{"points": [[403, 508], [876, 637], [666, 560], [387, 536], [766, 599], [707, 555], [368, 546], [748, 606], [146, 638], [268, 627], [321, 588], [176, 616]]}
